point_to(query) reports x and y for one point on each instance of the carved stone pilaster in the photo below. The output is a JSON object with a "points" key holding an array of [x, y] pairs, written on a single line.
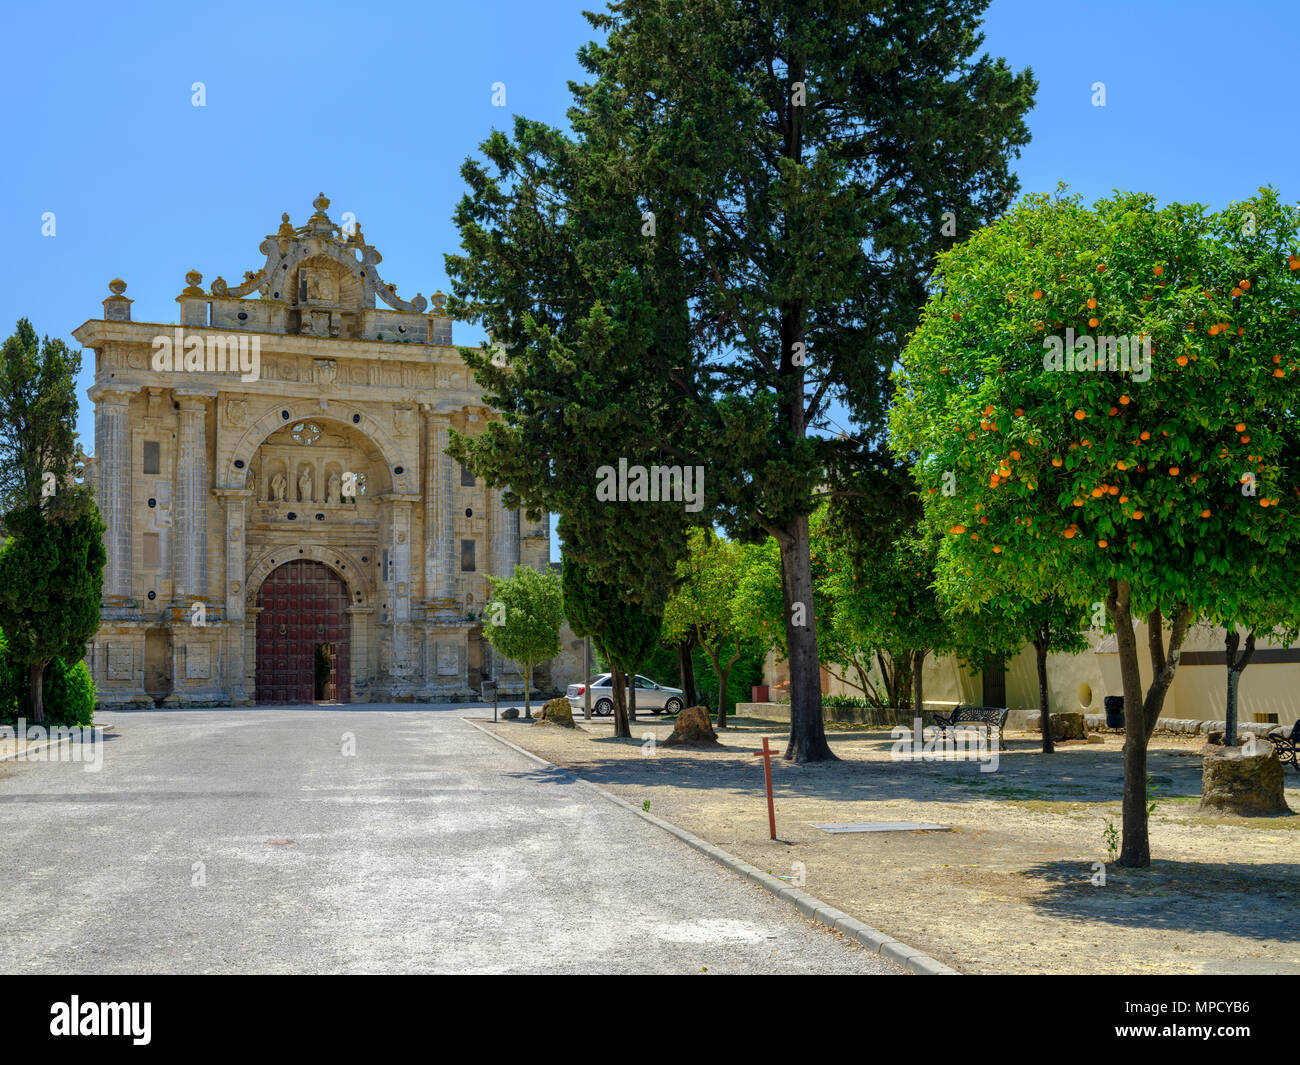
{"points": [[439, 516], [113, 491], [191, 522]]}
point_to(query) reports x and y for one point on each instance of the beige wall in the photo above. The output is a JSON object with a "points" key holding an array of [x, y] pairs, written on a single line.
{"points": [[1198, 692]]}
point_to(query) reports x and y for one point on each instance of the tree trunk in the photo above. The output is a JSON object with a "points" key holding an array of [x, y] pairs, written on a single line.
{"points": [[807, 730], [1044, 712], [630, 681], [528, 683], [586, 678], [36, 691], [622, 727], [918, 694], [686, 666], [1235, 668], [1140, 715]]}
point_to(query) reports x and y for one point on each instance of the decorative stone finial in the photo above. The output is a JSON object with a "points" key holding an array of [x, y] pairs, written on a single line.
{"points": [[321, 203], [419, 304], [219, 287], [193, 277], [285, 230], [439, 301], [117, 286]]}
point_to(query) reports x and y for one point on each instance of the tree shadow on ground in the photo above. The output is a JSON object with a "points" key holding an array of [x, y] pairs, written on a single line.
{"points": [[1023, 774], [1252, 901]]}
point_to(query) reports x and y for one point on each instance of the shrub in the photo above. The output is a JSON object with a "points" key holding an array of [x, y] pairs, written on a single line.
{"points": [[69, 691]]}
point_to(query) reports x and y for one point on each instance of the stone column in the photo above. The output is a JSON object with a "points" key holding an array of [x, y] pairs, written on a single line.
{"points": [[504, 558], [505, 537], [113, 490], [190, 530], [236, 594], [439, 514]]}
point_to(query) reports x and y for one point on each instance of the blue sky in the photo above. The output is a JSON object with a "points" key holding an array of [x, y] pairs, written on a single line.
{"points": [[377, 107]]}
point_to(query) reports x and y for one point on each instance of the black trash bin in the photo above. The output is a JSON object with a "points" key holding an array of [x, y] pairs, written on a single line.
{"points": [[1114, 711]]}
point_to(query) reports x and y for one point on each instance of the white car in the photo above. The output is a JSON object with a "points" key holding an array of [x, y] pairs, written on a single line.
{"points": [[649, 696]]}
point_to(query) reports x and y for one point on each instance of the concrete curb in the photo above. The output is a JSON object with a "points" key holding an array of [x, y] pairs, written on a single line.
{"points": [[909, 958]]}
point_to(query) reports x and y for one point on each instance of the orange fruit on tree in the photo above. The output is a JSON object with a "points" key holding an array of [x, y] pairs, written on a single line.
{"points": [[1038, 293], [1113, 489], [1122, 465], [1101, 543], [1137, 515], [1123, 499], [1080, 414], [1091, 304], [1015, 456], [1236, 292], [1157, 270], [1244, 285], [1245, 439], [1097, 493], [1069, 534], [1124, 401], [1241, 427], [1173, 471], [1056, 462], [1092, 322], [1078, 502], [1205, 513], [1279, 373], [1182, 360], [957, 530], [1114, 411], [1144, 435]]}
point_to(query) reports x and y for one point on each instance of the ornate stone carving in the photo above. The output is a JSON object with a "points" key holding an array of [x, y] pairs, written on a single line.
{"points": [[236, 412], [304, 486], [324, 372]]}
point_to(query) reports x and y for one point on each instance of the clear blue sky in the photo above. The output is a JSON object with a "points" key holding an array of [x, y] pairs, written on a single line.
{"points": [[378, 106]]}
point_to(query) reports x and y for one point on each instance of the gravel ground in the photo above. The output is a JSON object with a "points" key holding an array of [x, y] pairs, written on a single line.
{"points": [[1013, 886], [247, 841]]}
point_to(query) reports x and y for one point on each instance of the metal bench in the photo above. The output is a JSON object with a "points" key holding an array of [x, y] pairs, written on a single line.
{"points": [[991, 717], [1285, 745]]}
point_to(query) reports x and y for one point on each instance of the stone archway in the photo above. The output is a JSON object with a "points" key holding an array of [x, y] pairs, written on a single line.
{"points": [[302, 608]]}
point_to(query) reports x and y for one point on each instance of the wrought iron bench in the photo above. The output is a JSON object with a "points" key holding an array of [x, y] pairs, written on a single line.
{"points": [[991, 717], [1285, 745]]}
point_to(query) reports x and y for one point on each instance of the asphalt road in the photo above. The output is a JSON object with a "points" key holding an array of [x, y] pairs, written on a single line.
{"points": [[249, 841]]}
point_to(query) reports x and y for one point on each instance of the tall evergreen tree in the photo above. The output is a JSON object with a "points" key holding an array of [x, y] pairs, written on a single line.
{"points": [[803, 168], [52, 566]]}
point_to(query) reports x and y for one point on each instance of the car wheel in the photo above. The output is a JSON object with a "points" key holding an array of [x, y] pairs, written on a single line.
{"points": [[673, 706], [603, 708]]}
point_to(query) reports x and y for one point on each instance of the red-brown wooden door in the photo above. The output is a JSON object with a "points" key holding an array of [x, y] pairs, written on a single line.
{"points": [[303, 604]]}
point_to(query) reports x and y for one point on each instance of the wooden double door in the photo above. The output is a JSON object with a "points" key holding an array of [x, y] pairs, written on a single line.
{"points": [[303, 636]]}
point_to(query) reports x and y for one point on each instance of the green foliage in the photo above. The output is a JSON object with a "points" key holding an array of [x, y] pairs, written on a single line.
{"points": [[524, 616], [51, 577], [69, 692], [1089, 476], [38, 416]]}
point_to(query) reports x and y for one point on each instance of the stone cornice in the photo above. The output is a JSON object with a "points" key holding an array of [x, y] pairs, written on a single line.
{"points": [[97, 331]]}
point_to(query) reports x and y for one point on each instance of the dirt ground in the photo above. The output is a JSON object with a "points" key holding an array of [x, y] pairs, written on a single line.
{"points": [[1013, 886]]}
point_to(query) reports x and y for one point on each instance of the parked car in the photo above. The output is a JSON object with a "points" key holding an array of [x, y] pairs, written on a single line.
{"points": [[649, 696]]}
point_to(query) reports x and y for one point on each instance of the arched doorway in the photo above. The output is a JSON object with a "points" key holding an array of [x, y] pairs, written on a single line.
{"points": [[303, 635]]}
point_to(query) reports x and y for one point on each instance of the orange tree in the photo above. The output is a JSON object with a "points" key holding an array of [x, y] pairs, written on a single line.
{"points": [[1142, 484]]}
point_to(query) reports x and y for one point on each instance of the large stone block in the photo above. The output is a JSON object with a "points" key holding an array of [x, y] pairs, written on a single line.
{"points": [[1234, 782]]}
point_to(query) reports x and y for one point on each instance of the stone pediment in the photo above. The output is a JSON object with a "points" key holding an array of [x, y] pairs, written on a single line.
{"points": [[322, 279]]}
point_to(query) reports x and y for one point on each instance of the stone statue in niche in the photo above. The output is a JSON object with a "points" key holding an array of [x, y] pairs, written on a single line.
{"points": [[304, 486], [279, 488], [332, 492]]}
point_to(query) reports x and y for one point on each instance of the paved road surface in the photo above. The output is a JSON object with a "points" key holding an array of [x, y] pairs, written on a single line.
{"points": [[433, 848]]}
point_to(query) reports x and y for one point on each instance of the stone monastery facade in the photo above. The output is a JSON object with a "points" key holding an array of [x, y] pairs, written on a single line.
{"points": [[282, 523]]}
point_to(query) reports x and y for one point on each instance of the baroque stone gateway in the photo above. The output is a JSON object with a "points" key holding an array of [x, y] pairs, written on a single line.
{"points": [[295, 533]]}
